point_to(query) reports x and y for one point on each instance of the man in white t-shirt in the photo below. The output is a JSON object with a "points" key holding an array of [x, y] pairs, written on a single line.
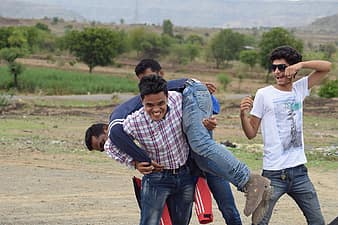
{"points": [[278, 109]]}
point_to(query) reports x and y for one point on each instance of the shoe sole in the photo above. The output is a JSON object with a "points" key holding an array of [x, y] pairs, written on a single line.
{"points": [[256, 218], [266, 182]]}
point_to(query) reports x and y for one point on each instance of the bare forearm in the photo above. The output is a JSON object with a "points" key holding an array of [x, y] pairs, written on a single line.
{"points": [[317, 65], [249, 130]]}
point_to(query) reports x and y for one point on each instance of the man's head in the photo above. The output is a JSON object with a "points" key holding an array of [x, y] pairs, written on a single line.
{"points": [[289, 54], [96, 136], [148, 66], [154, 94], [281, 58]]}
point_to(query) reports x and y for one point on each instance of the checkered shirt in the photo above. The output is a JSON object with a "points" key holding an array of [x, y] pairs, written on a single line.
{"points": [[163, 140]]}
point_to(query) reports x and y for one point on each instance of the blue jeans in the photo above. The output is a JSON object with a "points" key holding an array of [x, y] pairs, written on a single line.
{"points": [[218, 160], [175, 189], [296, 183]]}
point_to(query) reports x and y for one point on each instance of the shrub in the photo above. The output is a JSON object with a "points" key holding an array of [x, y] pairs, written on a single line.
{"points": [[4, 99], [329, 90], [224, 80]]}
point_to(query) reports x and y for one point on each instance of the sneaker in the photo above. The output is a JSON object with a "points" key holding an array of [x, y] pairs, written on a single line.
{"points": [[262, 207], [254, 190]]}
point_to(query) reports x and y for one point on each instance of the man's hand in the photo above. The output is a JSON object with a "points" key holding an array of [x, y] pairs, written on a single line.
{"points": [[210, 123], [157, 167], [246, 104], [146, 168], [291, 71], [211, 87]]}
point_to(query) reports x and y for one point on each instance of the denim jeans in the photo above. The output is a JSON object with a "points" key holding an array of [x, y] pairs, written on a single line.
{"points": [[218, 160], [175, 189], [296, 183]]}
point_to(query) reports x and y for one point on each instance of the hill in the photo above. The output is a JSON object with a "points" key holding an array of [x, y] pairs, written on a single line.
{"points": [[28, 10], [325, 25], [192, 13]]}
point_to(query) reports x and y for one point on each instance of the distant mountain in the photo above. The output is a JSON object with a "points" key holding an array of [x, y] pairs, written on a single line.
{"points": [[327, 24], [29, 10], [193, 13]]}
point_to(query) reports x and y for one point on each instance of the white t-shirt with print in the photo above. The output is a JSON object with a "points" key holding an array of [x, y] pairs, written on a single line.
{"points": [[281, 114]]}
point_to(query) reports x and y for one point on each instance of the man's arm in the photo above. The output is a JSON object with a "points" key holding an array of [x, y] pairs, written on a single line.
{"points": [[126, 144], [117, 135], [320, 69], [250, 123], [121, 157]]}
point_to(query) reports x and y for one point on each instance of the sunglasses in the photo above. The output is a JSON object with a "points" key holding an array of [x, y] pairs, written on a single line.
{"points": [[281, 67]]}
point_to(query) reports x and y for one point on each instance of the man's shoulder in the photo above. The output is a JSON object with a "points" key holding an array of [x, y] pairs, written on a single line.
{"points": [[266, 88], [126, 108], [174, 97]]}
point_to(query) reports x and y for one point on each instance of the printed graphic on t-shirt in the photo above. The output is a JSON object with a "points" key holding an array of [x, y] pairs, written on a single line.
{"points": [[289, 123]]}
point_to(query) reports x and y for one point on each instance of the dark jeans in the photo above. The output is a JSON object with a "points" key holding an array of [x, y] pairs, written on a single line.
{"points": [[296, 183], [175, 189]]}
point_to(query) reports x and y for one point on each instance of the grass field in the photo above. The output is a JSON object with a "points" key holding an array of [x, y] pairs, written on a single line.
{"points": [[49, 81]]}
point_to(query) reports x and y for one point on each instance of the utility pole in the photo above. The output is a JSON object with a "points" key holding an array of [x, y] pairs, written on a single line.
{"points": [[136, 12]]}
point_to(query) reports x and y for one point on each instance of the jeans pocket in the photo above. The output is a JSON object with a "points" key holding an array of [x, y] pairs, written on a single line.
{"points": [[203, 100]]}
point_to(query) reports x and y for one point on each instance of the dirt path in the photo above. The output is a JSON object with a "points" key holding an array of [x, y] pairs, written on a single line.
{"points": [[39, 189]]}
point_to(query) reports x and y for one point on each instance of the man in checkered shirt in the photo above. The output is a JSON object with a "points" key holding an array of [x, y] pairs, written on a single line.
{"points": [[157, 126]]}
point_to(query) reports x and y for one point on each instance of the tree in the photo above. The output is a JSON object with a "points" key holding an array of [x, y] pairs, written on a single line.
{"points": [[42, 26], [225, 46], [149, 44], [183, 53], [5, 33], [18, 39], [168, 28], [328, 49], [15, 68], [195, 39], [95, 46], [274, 38], [248, 57]]}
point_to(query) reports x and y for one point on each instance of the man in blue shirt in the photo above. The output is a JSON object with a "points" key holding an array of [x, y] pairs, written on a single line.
{"points": [[222, 164]]}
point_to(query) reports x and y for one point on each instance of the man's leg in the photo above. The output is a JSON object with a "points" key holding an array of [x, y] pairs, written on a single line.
{"points": [[196, 107], [181, 198], [220, 188], [153, 197], [304, 193]]}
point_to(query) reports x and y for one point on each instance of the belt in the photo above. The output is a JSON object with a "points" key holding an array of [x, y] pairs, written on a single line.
{"points": [[175, 171]]}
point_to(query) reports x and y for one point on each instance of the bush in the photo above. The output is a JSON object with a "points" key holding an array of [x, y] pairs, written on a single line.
{"points": [[4, 99], [329, 90], [224, 80]]}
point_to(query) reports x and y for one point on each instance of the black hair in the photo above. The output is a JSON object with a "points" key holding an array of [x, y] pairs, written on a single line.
{"points": [[145, 64], [291, 55], [152, 84], [94, 130]]}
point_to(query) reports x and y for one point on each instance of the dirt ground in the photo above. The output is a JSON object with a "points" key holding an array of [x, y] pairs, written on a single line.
{"points": [[47, 176]]}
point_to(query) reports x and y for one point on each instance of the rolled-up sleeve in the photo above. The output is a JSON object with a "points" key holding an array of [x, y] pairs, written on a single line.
{"points": [[116, 154]]}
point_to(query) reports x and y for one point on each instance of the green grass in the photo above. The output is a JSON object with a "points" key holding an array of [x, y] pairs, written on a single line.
{"points": [[71, 103], [254, 159], [60, 82]]}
